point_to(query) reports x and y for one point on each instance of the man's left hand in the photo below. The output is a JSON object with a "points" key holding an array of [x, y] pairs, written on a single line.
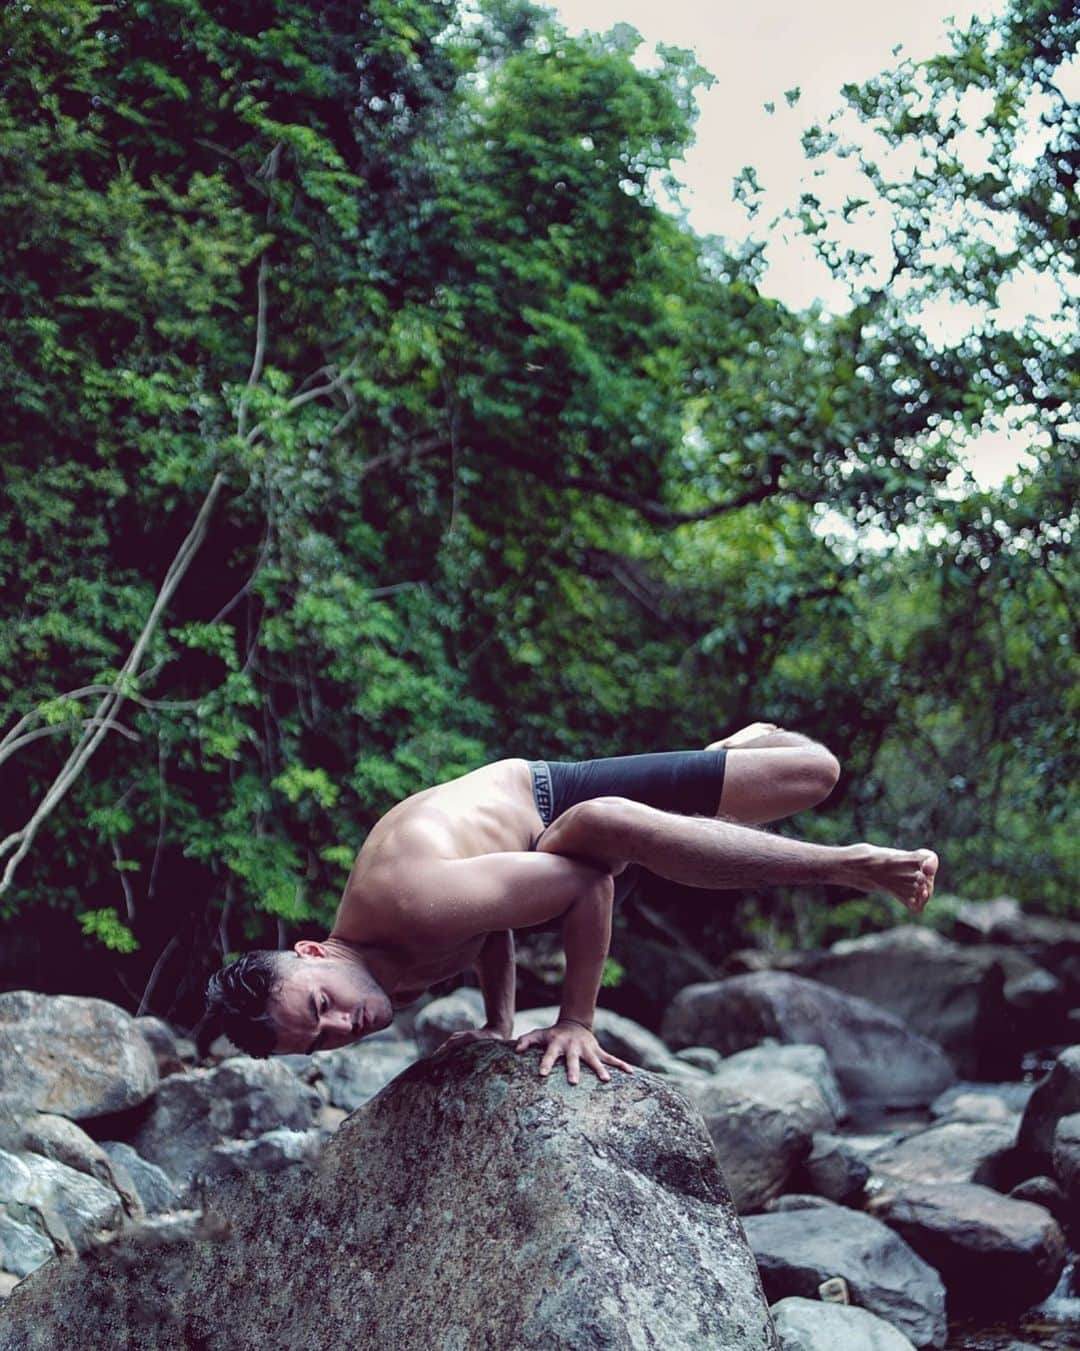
{"points": [[575, 1043], [471, 1034]]}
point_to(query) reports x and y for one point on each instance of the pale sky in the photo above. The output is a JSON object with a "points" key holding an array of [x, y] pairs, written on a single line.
{"points": [[757, 52]]}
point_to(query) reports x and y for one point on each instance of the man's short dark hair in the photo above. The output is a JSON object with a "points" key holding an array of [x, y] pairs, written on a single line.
{"points": [[236, 1004]]}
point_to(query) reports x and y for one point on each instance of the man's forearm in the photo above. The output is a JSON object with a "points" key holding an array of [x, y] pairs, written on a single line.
{"points": [[586, 936], [495, 968]]}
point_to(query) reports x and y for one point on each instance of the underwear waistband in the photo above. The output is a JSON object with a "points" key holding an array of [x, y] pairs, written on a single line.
{"points": [[543, 795]]}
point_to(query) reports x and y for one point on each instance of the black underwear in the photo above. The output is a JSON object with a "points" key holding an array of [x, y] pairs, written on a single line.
{"points": [[688, 782]]}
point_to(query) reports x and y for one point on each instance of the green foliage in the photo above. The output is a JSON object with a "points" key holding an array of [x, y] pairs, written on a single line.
{"points": [[612, 975], [109, 930], [511, 462]]}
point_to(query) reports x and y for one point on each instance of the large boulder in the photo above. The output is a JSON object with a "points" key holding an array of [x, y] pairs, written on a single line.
{"points": [[1056, 1096], [878, 1060], [814, 1325], [992, 1252], [240, 1099], [797, 1250], [76, 1057], [469, 1204]]}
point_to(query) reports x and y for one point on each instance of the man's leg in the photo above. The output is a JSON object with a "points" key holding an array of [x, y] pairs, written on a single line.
{"points": [[771, 773], [700, 852]]}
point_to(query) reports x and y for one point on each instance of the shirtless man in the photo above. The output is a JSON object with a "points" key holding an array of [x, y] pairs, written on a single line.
{"points": [[445, 877]]}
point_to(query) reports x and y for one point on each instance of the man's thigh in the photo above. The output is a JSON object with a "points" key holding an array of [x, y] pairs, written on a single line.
{"points": [[767, 785]]}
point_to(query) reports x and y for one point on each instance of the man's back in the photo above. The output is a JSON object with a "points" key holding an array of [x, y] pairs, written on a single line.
{"points": [[487, 811]]}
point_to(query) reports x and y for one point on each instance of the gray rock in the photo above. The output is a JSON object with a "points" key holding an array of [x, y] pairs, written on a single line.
{"points": [[954, 1151], [1045, 1192], [75, 1211], [1055, 1096], [701, 1057], [55, 1137], [992, 1252], [1000, 1103], [833, 1169], [809, 1061], [457, 1012], [268, 1153], [154, 1188], [1066, 1159], [162, 1041], [76, 1057], [470, 1204], [762, 1125], [1051, 943], [797, 1201], [22, 1248], [877, 1060], [353, 1075], [239, 1099], [958, 1000], [812, 1325], [798, 1250], [981, 920]]}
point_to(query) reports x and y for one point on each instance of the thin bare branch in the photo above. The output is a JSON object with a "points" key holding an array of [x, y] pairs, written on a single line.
{"points": [[125, 885], [112, 726], [155, 972], [21, 840], [161, 820]]}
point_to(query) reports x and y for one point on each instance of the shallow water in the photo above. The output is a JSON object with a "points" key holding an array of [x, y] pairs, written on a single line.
{"points": [[1053, 1325]]}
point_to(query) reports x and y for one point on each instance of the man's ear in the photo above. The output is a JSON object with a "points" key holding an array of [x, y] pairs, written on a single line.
{"points": [[308, 947]]}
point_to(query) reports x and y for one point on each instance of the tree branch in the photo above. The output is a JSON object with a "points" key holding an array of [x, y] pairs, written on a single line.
{"points": [[112, 726]]}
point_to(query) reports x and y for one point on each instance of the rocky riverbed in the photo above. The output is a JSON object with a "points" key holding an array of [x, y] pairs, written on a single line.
{"points": [[798, 1163]]}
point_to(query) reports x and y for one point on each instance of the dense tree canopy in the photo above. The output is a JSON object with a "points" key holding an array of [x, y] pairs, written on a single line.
{"points": [[365, 419]]}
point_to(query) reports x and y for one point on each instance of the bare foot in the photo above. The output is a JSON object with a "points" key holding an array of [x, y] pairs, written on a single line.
{"points": [[745, 734], [907, 875]]}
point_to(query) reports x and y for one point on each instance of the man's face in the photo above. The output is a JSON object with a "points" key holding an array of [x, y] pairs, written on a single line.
{"points": [[326, 1002]]}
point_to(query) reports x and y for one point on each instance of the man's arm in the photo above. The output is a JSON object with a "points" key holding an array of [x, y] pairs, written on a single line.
{"points": [[445, 901], [495, 968]]}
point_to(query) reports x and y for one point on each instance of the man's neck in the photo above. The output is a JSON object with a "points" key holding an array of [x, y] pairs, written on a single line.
{"points": [[380, 966]]}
